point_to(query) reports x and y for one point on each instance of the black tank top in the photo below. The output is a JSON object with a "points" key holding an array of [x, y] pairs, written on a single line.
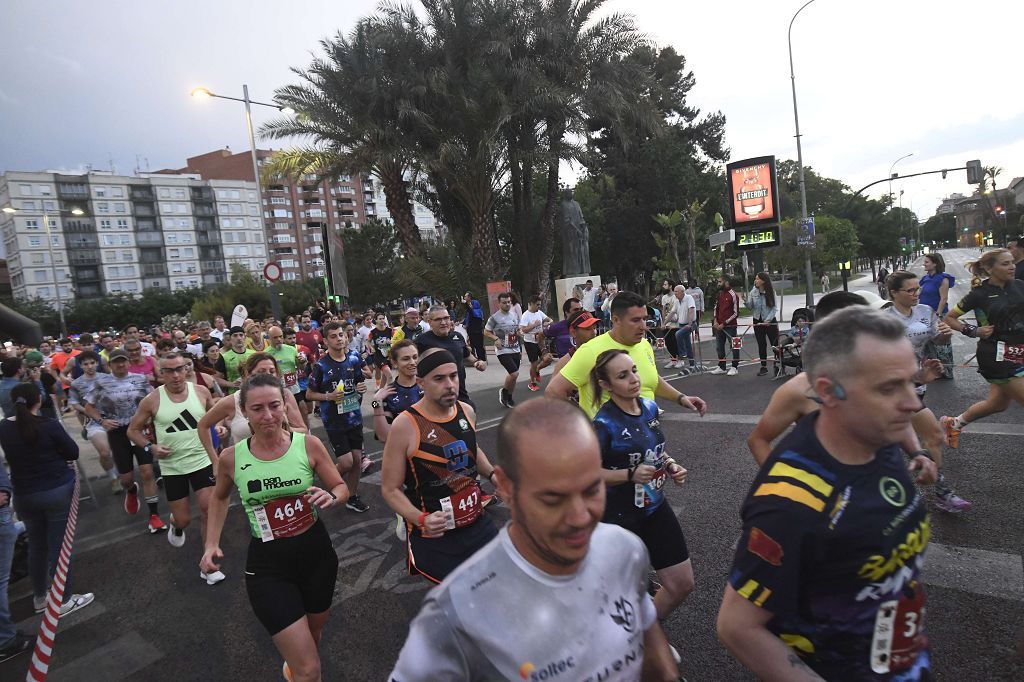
{"points": [[444, 463]]}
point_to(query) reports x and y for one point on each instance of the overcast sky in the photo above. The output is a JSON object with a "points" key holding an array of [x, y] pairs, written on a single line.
{"points": [[85, 82]]}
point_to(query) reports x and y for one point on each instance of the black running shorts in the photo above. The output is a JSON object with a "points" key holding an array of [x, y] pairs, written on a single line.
{"points": [[125, 452], [533, 351], [283, 589], [659, 530], [511, 361], [176, 486], [344, 441], [435, 558]]}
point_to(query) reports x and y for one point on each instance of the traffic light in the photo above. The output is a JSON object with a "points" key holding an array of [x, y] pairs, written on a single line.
{"points": [[974, 172]]}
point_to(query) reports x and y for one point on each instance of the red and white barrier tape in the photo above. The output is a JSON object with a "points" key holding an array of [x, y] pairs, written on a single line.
{"points": [[40, 665]]}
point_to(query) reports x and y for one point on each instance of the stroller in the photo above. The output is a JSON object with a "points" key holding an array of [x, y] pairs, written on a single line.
{"points": [[789, 352]]}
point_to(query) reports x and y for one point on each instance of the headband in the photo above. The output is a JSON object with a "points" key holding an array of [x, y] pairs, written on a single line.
{"points": [[432, 361]]}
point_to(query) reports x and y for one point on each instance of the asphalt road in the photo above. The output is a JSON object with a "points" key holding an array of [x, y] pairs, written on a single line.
{"points": [[155, 620]]}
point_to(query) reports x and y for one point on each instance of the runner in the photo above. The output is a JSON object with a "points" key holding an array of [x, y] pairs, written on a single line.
{"points": [[338, 382], [583, 327], [254, 337], [636, 468], [922, 327], [305, 367], [273, 473], [575, 587], [826, 582], [532, 326], [998, 304], [443, 335], [412, 326], [140, 363], [112, 402], [231, 357], [289, 364], [173, 411], [379, 347], [558, 332], [309, 337], [503, 328], [131, 333], [81, 387], [429, 472], [629, 327]]}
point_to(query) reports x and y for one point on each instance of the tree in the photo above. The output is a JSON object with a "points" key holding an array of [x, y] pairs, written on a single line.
{"points": [[667, 239], [372, 259], [941, 229]]}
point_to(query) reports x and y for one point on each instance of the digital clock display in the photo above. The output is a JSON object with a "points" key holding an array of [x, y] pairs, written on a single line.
{"points": [[757, 239]]}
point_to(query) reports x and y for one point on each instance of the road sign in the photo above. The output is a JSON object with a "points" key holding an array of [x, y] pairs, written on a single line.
{"points": [[722, 238], [805, 232], [272, 271]]}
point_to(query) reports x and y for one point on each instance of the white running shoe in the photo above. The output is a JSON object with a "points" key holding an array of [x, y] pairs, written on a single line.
{"points": [[176, 539], [77, 601], [717, 370], [400, 529], [670, 364], [212, 578], [732, 372]]}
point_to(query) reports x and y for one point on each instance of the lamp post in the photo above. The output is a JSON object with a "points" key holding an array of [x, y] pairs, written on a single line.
{"points": [[53, 265], [891, 176], [809, 299], [203, 93]]}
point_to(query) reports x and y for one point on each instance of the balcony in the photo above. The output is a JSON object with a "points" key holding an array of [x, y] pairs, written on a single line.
{"points": [[144, 210], [151, 238], [152, 255], [144, 225], [85, 257], [214, 278], [208, 238], [212, 266], [210, 253], [83, 241], [142, 194], [154, 269], [72, 190], [202, 194], [204, 210], [205, 224], [88, 274]]}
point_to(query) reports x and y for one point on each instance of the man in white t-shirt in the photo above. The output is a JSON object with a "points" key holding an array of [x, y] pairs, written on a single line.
{"points": [[684, 316], [503, 328], [220, 329], [578, 585], [587, 299], [532, 325]]}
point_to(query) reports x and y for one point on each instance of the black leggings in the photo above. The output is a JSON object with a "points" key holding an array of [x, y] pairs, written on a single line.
{"points": [[476, 343], [766, 333], [670, 342]]}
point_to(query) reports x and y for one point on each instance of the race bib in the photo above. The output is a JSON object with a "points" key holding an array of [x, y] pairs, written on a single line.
{"points": [[642, 497], [348, 403], [462, 508], [899, 634], [512, 339], [290, 379], [283, 517], [1006, 352]]}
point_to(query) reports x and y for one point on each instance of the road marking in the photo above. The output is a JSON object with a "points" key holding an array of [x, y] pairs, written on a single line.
{"points": [[978, 571], [116, 660], [980, 428]]}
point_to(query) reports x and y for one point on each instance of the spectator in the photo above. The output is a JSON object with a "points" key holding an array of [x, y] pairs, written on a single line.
{"points": [[727, 309]]}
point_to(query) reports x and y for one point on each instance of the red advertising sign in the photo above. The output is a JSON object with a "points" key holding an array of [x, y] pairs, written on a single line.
{"points": [[493, 289], [753, 192]]}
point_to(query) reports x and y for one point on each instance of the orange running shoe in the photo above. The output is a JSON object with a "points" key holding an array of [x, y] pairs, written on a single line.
{"points": [[951, 432]]}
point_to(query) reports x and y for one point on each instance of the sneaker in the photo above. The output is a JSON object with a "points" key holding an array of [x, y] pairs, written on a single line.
{"points": [[356, 505], [732, 372], [505, 399], [400, 529], [675, 655], [670, 364], [366, 464], [155, 524], [533, 386], [19, 645], [286, 672], [952, 503], [38, 603], [509, 400], [131, 499], [212, 578], [763, 371], [487, 500], [115, 486], [717, 370], [175, 535], [77, 601], [85, 434], [951, 432]]}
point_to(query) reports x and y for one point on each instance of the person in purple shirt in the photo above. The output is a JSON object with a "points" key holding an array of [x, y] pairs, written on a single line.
{"points": [[559, 331]]}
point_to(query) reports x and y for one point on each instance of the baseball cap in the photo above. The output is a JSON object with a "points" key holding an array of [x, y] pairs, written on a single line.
{"points": [[582, 320], [875, 302], [33, 357], [117, 354], [412, 310]]}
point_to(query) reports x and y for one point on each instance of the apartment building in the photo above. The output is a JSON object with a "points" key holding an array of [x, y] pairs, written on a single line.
{"points": [[114, 234]]}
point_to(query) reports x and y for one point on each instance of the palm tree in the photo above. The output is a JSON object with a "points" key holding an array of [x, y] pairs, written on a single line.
{"points": [[355, 104]]}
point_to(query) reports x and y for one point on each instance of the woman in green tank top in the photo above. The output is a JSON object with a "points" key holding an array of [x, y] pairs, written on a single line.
{"points": [[291, 566]]}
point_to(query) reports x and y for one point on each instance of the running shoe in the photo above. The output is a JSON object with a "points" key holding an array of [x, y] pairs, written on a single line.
{"points": [[683, 371], [39, 603], [116, 487], [366, 464], [762, 372], [487, 500], [717, 370], [504, 399], [509, 399], [400, 529], [19, 645], [951, 432], [732, 372], [85, 434], [212, 578], [671, 364], [675, 655], [175, 535], [131, 499], [533, 386], [77, 601], [287, 673], [155, 524], [356, 505], [952, 503]]}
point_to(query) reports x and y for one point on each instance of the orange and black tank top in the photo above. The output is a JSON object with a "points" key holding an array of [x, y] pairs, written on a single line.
{"points": [[443, 466]]}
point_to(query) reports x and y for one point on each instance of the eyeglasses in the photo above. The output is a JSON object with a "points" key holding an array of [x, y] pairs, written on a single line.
{"points": [[174, 370], [915, 290]]}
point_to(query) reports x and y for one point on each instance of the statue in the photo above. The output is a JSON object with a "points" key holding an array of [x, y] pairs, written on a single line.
{"points": [[575, 238]]}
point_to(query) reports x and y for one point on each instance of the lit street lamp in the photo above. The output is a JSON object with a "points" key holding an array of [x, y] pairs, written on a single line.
{"points": [[53, 265], [809, 300]]}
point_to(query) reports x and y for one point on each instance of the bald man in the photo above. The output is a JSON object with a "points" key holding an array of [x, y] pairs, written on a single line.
{"points": [[289, 361], [554, 569]]}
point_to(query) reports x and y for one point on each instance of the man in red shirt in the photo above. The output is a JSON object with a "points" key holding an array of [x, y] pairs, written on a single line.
{"points": [[308, 337], [727, 310], [59, 359]]}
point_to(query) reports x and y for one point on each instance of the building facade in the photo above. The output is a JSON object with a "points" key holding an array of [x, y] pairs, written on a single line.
{"points": [[130, 232]]}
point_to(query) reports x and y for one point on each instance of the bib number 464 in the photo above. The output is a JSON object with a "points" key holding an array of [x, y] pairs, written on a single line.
{"points": [[288, 510]]}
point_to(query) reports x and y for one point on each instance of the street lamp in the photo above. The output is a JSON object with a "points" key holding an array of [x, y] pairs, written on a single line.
{"points": [[809, 299], [53, 265], [891, 176]]}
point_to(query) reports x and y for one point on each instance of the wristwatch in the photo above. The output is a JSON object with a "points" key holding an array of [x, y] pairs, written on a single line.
{"points": [[148, 448], [375, 405]]}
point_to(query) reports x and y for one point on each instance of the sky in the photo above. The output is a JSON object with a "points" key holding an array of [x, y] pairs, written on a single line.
{"points": [[107, 82]]}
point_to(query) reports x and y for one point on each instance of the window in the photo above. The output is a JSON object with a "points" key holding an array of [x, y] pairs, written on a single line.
{"points": [[176, 268], [179, 192], [53, 223], [166, 208], [236, 194], [164, 193], [42, 275], [278, 200], [38, 259], [229, 251], [31, 224], [43, 292], [26, 190], [281, 213], [116, 192], [131, 286], [222, 194], [252, 195], [105, 224], [184, 222], [122, 223], [35, 241], [108, 240], [188, 252], [102, 207], [109, 256], [44, 190], [100, 191], [243, 250], [55, 239], [50, 205], [173, 253], [119, 207], [186, 238], [28, 205], [128, 256]]}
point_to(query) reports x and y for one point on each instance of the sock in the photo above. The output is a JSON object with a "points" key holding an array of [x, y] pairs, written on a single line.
{"points": [[959, 422], [151, 503], [941, 487]]}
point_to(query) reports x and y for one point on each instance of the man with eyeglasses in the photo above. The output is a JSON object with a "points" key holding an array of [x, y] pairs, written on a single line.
{"points": [[174, 411], [442, 335], [139, 362], [131, 333]]}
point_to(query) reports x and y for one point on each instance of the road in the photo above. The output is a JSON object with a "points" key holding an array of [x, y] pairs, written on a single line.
{"points": [[155, 620]]}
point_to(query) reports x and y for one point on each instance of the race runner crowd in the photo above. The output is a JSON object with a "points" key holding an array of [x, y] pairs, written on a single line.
{"points": [[826, 580]]}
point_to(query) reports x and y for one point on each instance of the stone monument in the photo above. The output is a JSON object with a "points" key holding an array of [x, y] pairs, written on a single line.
{"points": [[575, 238]]}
